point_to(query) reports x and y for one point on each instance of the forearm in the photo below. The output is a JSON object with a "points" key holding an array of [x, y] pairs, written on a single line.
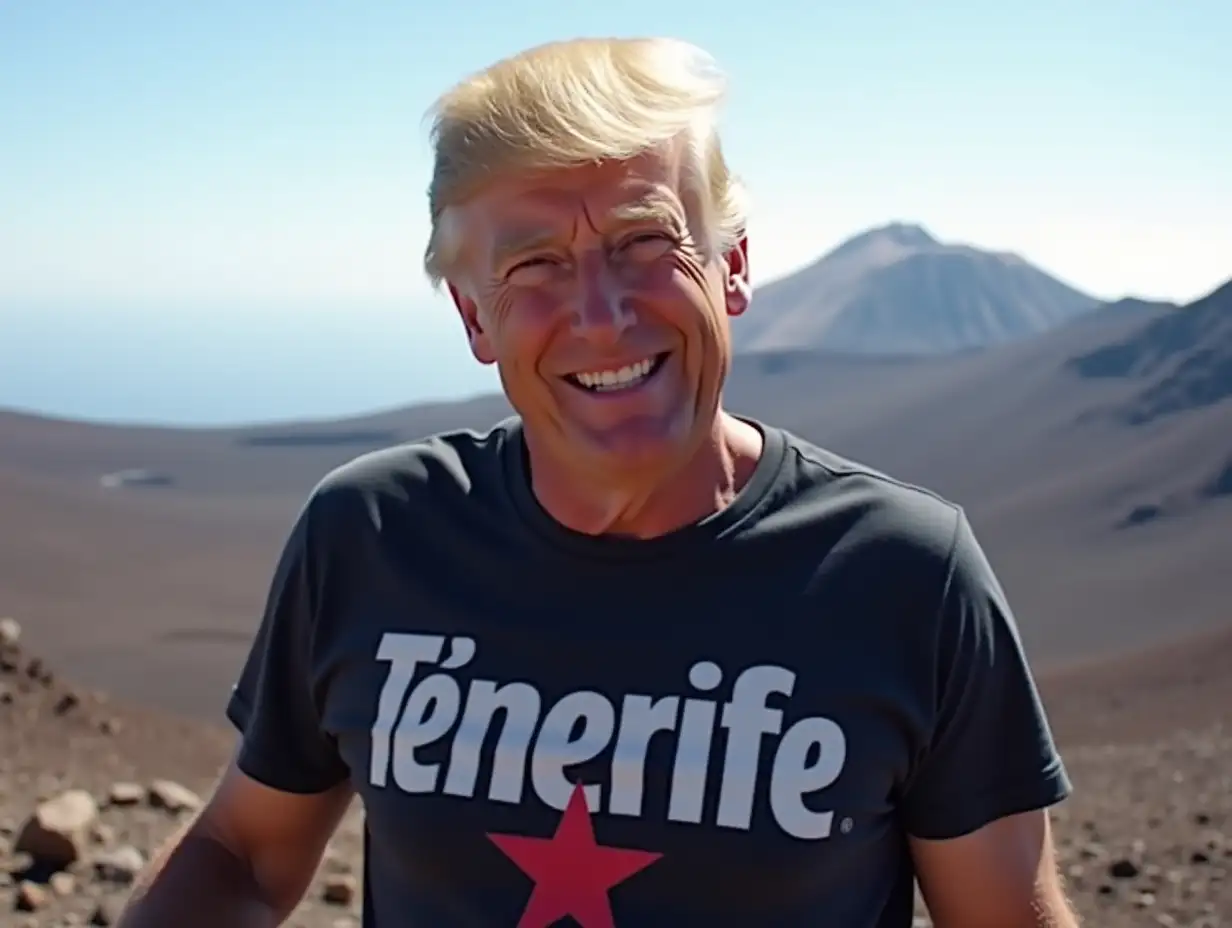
{"points": [[1049, 908], [195, 882], [1057, 911]]}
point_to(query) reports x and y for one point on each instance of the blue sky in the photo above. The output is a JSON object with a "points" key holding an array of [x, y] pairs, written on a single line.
{"points": [[263, 164]]}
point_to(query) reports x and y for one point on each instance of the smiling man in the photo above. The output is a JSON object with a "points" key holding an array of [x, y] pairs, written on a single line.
{"points": [[627, 659]]}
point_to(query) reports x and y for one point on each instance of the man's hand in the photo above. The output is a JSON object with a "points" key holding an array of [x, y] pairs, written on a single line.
{"points": [[244, 862], [1002, 876]]}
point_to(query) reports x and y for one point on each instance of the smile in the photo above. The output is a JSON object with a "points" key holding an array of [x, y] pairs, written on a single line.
{"points": [[620, 378]]}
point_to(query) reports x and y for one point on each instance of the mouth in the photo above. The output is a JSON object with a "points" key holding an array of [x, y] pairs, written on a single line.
{"points": [[614, 380]]}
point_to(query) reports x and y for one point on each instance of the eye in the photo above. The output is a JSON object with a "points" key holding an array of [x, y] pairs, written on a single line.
{"points": [[529, 262], [647, 244], [527, 265], [639, 237]]}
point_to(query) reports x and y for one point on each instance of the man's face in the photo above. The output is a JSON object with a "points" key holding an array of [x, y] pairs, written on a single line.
{"points": [[591, 290]]}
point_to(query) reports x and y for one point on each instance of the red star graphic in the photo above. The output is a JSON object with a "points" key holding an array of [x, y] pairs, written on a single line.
{"points": [[572, 873]]}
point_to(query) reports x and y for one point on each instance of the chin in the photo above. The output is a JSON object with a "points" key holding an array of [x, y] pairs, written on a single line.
{"points": [[634, 446]]}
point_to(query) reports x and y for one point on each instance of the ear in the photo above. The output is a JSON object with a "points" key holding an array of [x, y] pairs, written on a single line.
{"points": [[468, 310], [739, 291]]}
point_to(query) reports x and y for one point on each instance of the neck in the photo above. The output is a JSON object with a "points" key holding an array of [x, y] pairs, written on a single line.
{"points": [[705, 484]]}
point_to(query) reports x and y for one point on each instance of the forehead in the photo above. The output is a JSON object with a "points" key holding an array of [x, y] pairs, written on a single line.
{"points": [[514, 212]]}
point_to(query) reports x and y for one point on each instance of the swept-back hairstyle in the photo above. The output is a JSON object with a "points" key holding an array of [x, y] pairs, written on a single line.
{"points": [[575, 102]]}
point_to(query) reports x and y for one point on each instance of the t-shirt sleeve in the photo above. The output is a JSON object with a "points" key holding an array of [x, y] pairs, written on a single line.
{"points": [[273, 704], [991, 752]]}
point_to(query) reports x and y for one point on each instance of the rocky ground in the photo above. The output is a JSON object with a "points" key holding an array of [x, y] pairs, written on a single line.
{"points": [[88, 790]]}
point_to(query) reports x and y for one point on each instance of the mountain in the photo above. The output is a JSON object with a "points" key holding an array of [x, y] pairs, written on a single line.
{"points": [[1180, 361], [1126, 407], [896, 290]]}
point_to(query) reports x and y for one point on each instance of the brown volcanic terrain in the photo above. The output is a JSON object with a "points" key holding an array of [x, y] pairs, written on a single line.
{"points": [[1094, 461], [1108, 532], [1146, 839]]}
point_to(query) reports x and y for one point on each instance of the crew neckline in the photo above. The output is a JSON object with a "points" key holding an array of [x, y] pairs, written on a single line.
{"points": [[714, 527]]}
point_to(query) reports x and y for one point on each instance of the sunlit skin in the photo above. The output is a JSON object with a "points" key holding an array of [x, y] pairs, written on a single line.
{"points": [[594, 268]]}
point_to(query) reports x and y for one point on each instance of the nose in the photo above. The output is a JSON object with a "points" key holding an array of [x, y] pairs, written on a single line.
{"points": [[602, 312]]}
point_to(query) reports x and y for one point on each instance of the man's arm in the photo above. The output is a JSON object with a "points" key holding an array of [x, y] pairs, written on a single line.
{"points": [[1003, 875], [245, 861], [975, 806], [247, 858]]}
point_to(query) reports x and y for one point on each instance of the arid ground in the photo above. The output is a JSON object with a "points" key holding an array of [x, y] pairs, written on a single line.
{"points": [[1146, 840]]}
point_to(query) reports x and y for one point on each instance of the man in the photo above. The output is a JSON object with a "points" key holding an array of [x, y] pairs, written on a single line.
{"points": [[625, 659]]}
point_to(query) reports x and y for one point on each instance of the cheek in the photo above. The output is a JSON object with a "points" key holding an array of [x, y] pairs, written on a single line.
{"points": [[706, 348], [695, 296], [677, 285], [521, 328]]}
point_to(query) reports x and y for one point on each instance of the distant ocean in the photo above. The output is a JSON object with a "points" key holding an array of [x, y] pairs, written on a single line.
{"points": [[200, 368]]}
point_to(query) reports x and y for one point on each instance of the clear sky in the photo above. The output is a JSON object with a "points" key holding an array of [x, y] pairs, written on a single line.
{"points": [[263, 165]]}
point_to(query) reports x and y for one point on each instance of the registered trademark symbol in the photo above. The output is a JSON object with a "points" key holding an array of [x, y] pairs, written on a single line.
{"points": [[846, 825]]}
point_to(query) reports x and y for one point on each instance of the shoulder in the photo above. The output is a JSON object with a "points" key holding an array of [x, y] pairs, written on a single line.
{"points": [[444, 469], [902, 546], [873, 515]]}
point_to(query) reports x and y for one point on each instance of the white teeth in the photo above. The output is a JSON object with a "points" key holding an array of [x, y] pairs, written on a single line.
{"points": [[616, 379]]}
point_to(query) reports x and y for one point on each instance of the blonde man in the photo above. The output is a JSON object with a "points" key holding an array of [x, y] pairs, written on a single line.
{"points": [[625, 659]]}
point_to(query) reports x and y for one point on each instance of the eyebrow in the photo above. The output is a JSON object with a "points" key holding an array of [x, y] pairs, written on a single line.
{"points": [[650, 207], [654, 206], [519, 241]]}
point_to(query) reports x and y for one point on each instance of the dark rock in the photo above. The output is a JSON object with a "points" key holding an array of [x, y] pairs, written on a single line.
{"points": [[1123, 869]]}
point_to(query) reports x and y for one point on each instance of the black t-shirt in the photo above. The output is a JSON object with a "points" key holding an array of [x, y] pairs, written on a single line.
{"points": [[734, 724]]}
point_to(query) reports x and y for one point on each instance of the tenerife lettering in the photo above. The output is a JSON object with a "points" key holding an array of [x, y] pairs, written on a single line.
{"points": [[423, 704]]}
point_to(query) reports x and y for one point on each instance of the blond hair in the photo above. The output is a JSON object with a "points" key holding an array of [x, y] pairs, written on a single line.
{"points": [[575, 102]]}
